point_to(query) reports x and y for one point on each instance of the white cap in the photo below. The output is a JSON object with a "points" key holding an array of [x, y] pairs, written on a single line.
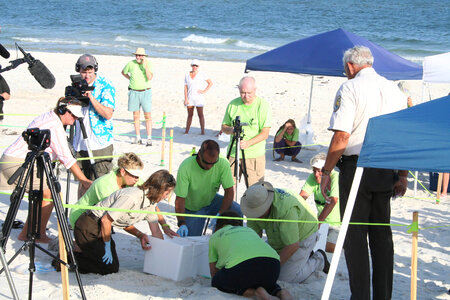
{"points": [[319, 163], [135, 172], [195, 62], [75, 110]]}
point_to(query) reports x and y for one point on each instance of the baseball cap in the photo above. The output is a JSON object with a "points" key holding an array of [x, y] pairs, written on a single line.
{"points": [[194, 62], [86, 60]]}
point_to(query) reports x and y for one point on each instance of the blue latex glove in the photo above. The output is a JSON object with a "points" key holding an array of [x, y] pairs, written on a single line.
{"points": [[183, 230], [107, 258], [212, 222]]}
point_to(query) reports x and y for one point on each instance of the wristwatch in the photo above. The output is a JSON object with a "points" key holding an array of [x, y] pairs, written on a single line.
{"points": [[180, 222], [326, 172]]}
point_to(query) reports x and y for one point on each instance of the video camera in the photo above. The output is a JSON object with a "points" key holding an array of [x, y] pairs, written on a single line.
{"points": [[237, 125], [78, 88], [36, 138]]}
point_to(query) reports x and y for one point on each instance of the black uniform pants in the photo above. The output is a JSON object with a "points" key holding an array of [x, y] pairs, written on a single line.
{"points": [[251, 273], [372, 205], [88, 236]]}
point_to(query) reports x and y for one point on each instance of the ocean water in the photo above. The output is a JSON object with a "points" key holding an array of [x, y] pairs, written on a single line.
{"points": [[227, 30]]}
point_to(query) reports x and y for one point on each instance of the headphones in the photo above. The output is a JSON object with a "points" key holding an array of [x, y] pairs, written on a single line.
{"points": [[62, 105], [83, 58]]}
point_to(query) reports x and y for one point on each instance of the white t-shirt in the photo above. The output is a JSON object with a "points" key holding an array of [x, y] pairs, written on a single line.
{"points": [[194, 85], [361, 98]]}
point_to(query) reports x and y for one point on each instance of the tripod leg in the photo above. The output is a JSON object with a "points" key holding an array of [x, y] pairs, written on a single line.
{"points": [[55, 188], [12, 287]]}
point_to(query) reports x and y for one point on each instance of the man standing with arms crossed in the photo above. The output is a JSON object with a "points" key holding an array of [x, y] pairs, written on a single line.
{"points": [[140, 74], [366, 94], [97, 120], [255, 112]]}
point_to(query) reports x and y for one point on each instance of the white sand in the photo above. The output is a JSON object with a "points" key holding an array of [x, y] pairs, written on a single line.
{"points": [[289, 95]]}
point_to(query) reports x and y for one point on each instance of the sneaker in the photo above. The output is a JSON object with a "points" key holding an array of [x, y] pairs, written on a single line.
{"points": [[326, 266], [137, 140], [149, 142]]}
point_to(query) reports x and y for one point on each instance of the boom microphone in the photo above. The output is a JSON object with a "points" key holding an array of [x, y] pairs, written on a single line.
{"points": [[42, 74], [3, 52], [39, 70]]}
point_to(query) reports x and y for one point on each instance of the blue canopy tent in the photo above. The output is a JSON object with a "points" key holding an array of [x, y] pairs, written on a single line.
{"points": [[412, 139], [322, 55], [415, 138]]}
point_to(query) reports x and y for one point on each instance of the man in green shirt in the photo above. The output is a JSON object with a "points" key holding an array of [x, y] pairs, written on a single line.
{"points": [[140, 73], [327, 210], [198, 181], [294, 241], [256, 113]]}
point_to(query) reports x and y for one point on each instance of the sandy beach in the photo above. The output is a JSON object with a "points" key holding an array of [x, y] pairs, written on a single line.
{"points": [[288, 95]]}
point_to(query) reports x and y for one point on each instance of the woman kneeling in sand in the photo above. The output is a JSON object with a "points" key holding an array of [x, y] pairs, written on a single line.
{"points": [[242, 263], [93, 228]]}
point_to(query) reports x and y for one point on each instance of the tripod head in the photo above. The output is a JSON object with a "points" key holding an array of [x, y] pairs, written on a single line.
{"points": [[37, 139], [237, 127]]}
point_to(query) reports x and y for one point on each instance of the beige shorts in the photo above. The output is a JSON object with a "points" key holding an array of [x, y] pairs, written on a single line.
{"points": [[255, 169], [8, 166]]}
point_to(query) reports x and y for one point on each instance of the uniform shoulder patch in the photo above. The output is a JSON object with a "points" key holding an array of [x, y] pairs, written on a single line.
{"points": [[337, 103]]}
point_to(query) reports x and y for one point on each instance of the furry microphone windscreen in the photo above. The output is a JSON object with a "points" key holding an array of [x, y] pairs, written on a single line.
{"points": [[42, 74]]}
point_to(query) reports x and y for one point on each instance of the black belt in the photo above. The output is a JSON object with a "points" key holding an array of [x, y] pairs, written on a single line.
{"points": [[353, 158], [141, 90]]}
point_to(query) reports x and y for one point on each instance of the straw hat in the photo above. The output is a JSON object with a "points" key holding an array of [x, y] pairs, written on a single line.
{"points": [[140, 51], [257, 199]]}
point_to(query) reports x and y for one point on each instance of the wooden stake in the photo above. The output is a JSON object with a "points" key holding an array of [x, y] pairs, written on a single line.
{"points": [[170, 159], [64, 270], [163, 139], [415, 235]]}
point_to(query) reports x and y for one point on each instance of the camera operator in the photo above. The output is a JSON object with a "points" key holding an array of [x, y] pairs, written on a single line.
{"points": [[257, 114], [4, 95], [97, 120], [67, 110]]}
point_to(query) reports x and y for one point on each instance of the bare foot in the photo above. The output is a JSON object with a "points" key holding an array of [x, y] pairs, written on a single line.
{"points": [[261, 293], [284, 295], [43, 240]]}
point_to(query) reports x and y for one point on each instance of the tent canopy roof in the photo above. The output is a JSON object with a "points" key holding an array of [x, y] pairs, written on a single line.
{"points": [[416, 138], [322, 55]]}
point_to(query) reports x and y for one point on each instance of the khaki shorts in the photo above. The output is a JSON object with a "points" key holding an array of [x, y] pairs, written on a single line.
{"points": [[102, 166], [255, 169], [9, 165]]}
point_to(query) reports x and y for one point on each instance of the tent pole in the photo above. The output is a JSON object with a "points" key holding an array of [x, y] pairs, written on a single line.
{"points": [[415, 235], [310, 100], [342, 233]]}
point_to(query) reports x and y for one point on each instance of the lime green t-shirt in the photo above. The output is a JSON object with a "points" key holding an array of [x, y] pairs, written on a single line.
{"points": [[258, 115], [232, 245], [292, 137], [199, 186], [287, 205], [313, 188], [101, 188], [138, 77]]}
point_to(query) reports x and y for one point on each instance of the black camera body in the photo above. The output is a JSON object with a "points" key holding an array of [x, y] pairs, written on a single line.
{"points": [[37, 139], [78, 88]]}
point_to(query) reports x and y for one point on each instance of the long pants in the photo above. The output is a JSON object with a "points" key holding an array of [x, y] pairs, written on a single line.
{"points": [[302, 264], [251, 273], [372, 205], [195, 225], [294, 151], [88, 236]]}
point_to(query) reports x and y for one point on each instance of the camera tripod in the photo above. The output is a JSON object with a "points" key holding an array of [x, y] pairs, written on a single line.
{"points": [[238, 135], [43, 162]]}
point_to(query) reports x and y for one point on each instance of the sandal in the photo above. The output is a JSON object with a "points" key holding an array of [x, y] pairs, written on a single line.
{"points": [[279, 159], [297, 160]]}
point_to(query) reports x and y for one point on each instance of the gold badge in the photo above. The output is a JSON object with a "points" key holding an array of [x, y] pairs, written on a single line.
{"points": [[337, 103]]}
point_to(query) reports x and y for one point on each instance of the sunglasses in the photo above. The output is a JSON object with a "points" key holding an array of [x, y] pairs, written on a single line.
{"points": [[194, 66]]}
